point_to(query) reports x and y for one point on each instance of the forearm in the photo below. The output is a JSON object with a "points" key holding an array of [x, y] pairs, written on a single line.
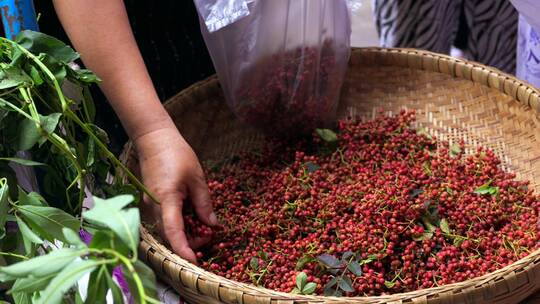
{"points": [[100, 32]]}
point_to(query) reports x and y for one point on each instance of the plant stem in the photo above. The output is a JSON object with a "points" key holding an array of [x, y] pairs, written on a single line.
{"points": [[73, 116], [43, 68], [14, 255], [111, 156], [129, 266]]}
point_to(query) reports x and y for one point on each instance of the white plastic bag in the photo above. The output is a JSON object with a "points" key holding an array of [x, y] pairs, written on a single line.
{"points": [[282, 63]]}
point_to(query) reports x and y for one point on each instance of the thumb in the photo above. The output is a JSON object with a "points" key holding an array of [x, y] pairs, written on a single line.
{"points": [[200, 199]]}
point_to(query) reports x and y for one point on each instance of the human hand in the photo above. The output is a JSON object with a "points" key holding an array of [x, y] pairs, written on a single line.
{"points": [[171, 171]]}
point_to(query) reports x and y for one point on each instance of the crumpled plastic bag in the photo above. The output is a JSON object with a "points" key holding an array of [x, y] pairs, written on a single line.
{"points": [[281, 63]]}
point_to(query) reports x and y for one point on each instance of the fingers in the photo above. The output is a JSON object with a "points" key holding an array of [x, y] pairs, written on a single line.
{"points": [[173, 228], [198, 242], [200, 198]]}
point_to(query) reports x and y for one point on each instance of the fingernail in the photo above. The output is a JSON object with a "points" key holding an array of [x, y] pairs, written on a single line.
{"points": [[213, 219]]}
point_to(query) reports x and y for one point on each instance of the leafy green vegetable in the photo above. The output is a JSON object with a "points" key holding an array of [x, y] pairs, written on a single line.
{"points": [[4, 205], [327, 135], [21, 161], [97, 291], [124, 222], [455, 149], [146, 277], [31, 284], [39, 43], [72, 153], [301, 280], [65, 279], [40, 266], [303, 286], [487, 189], [27, 233], [329, 261], [49, 220], [444, 226], [389, 284], [73, 238]]}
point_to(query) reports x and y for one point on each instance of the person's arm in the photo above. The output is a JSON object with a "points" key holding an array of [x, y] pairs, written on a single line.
{"points": [[100, 32]]}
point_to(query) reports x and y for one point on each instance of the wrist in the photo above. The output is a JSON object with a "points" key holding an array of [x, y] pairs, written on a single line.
{"points": [[157, 140]]}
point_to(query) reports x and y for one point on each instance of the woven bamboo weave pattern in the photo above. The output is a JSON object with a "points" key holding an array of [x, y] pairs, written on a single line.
{"points": [[453, 99]]}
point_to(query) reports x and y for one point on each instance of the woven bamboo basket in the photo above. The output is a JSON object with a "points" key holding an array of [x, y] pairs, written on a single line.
{"points": [[453, 99]]}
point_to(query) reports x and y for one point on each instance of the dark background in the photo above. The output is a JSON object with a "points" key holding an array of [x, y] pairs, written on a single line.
{"points": [[169, 37]]}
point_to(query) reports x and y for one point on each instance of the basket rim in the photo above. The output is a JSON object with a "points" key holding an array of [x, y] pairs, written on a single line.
{"points": [[507, 84]]}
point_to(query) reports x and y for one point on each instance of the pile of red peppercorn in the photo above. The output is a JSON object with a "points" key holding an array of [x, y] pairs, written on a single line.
{"points": [[291, 92], [376, 208]]}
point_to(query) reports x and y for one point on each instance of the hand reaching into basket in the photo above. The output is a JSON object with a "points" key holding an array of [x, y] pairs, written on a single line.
{"points": [[173, 174], [101, 33]]}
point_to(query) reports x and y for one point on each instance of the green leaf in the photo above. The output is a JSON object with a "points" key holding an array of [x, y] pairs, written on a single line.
{"points": [[415, 192], [29, 133], [57, 68], [73, 238], [309, 288], [455, 149], [22, 298], [345, 284], [40, 266], [22, 161], [84, 75], [148, 279], [27, 233], [331, 292], [38, 43], [97, 291], [329, 261], [355, 268], [4, 205], [129, 189], [303, 261], [31, 198], [423, 132], [118, 298], [12, 76], [428, 221], [327, 135], [296, 291], [347, 256], [329, 289], [50, 220], [78, 298], [31, 283], [369, 259], [50, 122], [254, 263], [423, 237], [444, 226], [101, 239], [311, 167], [263, 255], [458, 240], [487, 189], [100, 133], [65, 279], [36, 77], [88, 105], [123, 222], [301, 280], [389, 284]]}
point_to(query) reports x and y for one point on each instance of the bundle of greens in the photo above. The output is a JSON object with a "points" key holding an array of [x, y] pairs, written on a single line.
{"points": [[42, 256]]}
